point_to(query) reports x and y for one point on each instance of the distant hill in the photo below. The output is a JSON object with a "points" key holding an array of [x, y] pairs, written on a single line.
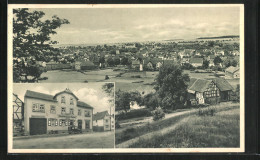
{"points": [[231, 36], [173, 39]]}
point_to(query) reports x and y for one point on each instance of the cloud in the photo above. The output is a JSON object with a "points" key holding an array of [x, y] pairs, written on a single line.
{"points": [[94, 98]]}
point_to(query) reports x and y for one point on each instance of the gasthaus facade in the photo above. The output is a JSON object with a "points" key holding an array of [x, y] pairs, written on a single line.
{"points": [[45, 113]]}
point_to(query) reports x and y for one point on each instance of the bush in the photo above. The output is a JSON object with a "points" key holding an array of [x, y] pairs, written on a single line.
{"points": [[210, 111], [158, 114], [134, 114], [136, 76]]}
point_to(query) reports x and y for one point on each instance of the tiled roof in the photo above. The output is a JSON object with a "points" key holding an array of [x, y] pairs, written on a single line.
{"points": [[199, 85], [222, 84], [84, 105], [100, 115], [196, 60], [32, 94], [232, 69]]}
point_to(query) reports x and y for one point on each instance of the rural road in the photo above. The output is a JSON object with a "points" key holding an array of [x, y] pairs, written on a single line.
{"points": [[88, 140]]}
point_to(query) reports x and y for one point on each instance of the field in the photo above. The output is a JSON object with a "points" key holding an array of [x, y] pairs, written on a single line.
{"points": [[221, 130], [127, 81]]}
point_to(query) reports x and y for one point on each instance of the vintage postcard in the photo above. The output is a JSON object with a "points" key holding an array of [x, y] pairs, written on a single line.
{"points": [[126, 78]]}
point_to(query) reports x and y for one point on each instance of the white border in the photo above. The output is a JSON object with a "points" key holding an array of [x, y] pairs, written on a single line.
{"points": [[125, 150]]}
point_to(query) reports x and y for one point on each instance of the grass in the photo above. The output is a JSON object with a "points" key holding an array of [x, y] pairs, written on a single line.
{"points": [[221, 130], [133, 132]]}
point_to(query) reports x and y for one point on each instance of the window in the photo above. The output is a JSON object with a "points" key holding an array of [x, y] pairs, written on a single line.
{"points": [[63, 99], [71, 101], [106, 120], [52, 122], [79, 112], [72, 111], [107, 126], [87, 113], [63, 122], [112, 126], [38, 108], [63, 110], [53, 109]]}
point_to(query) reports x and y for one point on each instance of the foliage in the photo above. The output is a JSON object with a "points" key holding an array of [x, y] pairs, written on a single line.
{"points": [[125, 61], [109, 89], [171, 86], [110, 61], [205, 64], [32, 41], [134, 114], [217, 60], [187, 66], [117, 61], [228, 62], [151, 100], [102, 60], [158, 114]]}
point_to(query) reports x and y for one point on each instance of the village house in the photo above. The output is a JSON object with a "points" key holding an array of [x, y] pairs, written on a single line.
{"points": [[102, 121], [232, 72], [212, 91], [44, 113], [84, 65], [196, 62]]}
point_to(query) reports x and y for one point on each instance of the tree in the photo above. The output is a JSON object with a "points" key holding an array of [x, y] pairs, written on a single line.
{"points": [[110, 61], [32, 42], [117, 61], [122, 101], [158, 114], [205, 64], [102, 60], [171, 86], [217, 60], [124, 61], [151, 100], [234, 63]]}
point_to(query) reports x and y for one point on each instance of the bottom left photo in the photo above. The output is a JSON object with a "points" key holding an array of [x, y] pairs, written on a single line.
{"points": [[63, 116]]}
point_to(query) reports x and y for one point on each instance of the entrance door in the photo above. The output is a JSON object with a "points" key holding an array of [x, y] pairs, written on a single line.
{"points": [[80, 124], [38, 126], [87, 124], [71, 123]]}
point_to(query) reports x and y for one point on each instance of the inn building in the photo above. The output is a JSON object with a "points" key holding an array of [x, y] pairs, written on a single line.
{"points": [[44, 113]]}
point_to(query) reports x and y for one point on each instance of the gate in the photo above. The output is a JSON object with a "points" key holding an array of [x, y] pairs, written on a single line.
{"points": [[38, 126]]}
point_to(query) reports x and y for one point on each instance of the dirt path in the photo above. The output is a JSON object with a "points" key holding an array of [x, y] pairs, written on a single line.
{"points": [[220, 107]]}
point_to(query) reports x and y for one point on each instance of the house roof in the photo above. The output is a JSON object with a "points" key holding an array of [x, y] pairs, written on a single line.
{"points": [[222, 84], [196, 60], [135, 62], [37, 95], [232, 69], [84, 105], [100, 115], [66, 91], [85, 63], [199, 85]]}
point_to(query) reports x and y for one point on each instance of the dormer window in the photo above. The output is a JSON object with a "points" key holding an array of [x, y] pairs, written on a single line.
{"points": [[71, 101], [63, 99]]}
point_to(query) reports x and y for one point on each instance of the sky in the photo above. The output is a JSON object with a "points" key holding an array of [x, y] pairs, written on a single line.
{"points": [[115, 25], [90, 93]]}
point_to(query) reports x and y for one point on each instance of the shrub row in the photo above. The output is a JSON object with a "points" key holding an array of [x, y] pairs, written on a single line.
{"points": [[134, 114]]}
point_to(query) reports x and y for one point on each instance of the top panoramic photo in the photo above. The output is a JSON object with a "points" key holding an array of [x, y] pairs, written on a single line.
{"points": [[126, 45]]}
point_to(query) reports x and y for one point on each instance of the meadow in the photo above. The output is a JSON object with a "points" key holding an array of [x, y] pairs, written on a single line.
{"points": [[221, 130]]}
